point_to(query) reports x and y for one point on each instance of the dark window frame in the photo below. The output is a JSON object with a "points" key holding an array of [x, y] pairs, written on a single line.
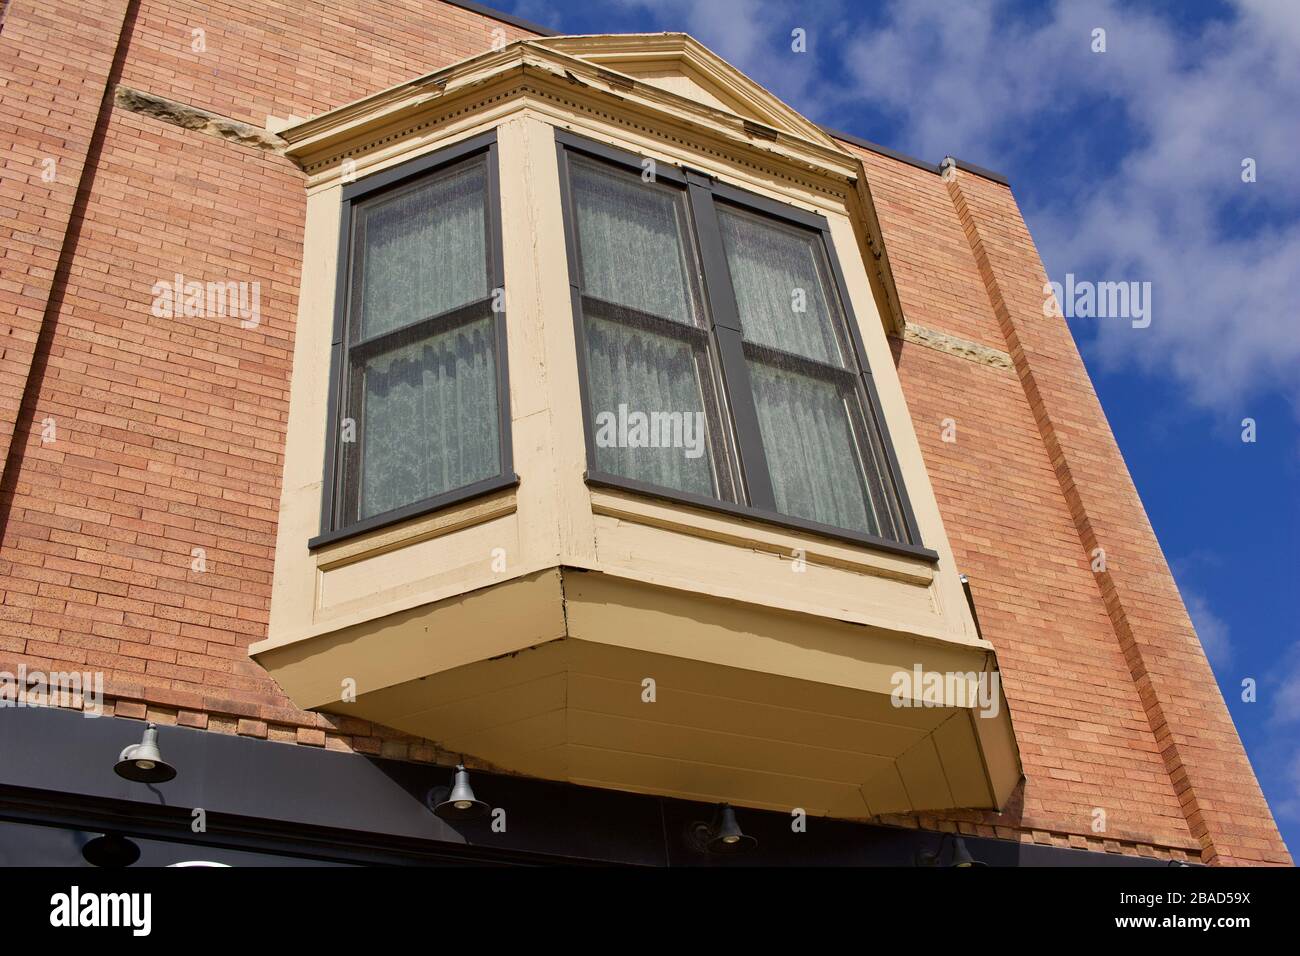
{"points": [[703, 193], [333, 526]]}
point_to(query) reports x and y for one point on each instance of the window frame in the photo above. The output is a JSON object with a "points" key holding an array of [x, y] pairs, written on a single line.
{"points": [[703, 192], [334, 495], [722, 446]]}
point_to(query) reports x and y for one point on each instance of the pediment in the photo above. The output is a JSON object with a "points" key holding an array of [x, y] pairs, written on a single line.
{"points": [[679, 64], [667, 77]]}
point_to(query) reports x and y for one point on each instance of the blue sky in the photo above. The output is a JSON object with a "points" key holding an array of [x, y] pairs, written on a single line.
{"points": [[1128, 167]]}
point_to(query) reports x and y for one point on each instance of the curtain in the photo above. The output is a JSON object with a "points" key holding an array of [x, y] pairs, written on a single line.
{"points": [[425, 252], [771, 268], [429, 421], [632, 239], [426, 407], [809, 420], [811, 449], [645, 373], [635, 254]]}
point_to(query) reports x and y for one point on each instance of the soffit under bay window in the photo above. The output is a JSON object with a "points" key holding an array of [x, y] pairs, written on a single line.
{"points": [[491, 564]]}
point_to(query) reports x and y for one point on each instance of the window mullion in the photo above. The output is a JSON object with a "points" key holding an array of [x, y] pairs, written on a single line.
{"points": [[406, 334], [725, 319]]}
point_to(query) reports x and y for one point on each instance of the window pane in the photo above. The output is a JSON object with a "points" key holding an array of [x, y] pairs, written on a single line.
{"points": [[634, 243], [421, 252], [647, 410], [781, 286], [428, 421], [812, 448]]}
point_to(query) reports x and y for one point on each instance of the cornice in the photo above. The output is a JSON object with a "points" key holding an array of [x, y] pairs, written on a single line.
{"points": [[526, 65], [695, 57]]}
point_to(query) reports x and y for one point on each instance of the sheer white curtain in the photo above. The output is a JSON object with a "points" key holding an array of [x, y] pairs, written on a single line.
{"points": [[632, 237], [779, 292], [430, 418], [636, 254], [425, 252], [425, 399], [644, 372], [811, 450], [802, 376]]}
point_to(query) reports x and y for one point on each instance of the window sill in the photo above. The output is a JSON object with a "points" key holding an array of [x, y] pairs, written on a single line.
{"points": [[417, 510], [601, 480]]}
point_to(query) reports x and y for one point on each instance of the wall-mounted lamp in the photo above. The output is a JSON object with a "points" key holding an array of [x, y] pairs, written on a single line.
{"points": [[142, 762], [723, 835], [110, 850], [960, 856], [460, 803]]}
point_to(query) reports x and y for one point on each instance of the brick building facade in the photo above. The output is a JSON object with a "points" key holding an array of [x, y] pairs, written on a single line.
{"points": [[141, 144]]}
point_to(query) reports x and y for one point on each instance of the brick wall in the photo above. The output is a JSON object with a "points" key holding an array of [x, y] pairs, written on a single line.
{"points": [[54, 64], [1115, 707], [1206, 764], [169, 431]]}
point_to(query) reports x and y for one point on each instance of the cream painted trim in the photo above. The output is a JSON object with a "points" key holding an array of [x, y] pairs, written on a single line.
{"points": [[391, 649], [877, 622], [874, 253], [442, 522], [322, 143], [628, 506], [685, 52], [680, 147], [621, 612]]}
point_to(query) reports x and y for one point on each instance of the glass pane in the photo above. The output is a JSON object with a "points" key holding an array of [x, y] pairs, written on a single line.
{"points": [[420, 252], [780, 280], [633, 241], [812, 449], [647, 410], [428, 421]]}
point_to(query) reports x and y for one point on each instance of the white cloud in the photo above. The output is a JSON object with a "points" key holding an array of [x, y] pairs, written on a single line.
{"points": [[977, 80], [540, 12], [1283, 694], [755, 36], [1288, 808], [1212, 629], [1173, 209], [1284, 691]]}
